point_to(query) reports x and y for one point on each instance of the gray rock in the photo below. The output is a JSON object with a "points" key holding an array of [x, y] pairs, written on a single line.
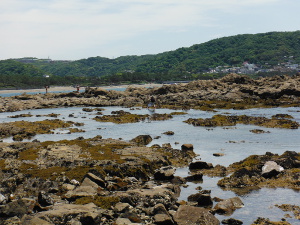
{"points": [[191, 215], [2, 199], [228, 206]]}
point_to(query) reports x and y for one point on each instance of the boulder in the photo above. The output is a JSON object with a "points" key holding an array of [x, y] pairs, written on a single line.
{"points": [[228, 206], [68, 214], [160, 209], [165, 173], [271, 169], [187, 147], [18, 208], [121, 207], [142, 139], [163, 219], [195, 177], [91, 179], [191, 215], [202, 199], [232, 221], [81, 191], [198, 165], [45, 199]]}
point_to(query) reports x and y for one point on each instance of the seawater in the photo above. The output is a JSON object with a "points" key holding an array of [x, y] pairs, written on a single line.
{"points": [[235, 142], [20, 92]]}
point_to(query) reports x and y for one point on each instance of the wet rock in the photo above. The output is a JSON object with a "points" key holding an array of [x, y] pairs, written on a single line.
{"points": [[169, 133], [198, 165], [271, 169], [191, 215], [187, 147], [218, 154], [228, 206], [259, 131], [264, 221], [142, 139], [232, 221], [202, 199], [165, 173], [195, 177]]}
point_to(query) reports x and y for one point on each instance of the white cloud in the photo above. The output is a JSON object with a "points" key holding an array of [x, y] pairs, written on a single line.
{"points": [[61, 26]]}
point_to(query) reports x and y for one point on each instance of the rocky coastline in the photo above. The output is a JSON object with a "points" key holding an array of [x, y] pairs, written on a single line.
{"points": [[108, 181]]}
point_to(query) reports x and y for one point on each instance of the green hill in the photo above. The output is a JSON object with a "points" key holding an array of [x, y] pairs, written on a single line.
{"points": [[262, 48], [265, 50]]}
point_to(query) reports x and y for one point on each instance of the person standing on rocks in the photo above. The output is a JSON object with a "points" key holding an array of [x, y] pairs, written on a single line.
{"points": [[152, 102], [46, 87], [77, 87]]}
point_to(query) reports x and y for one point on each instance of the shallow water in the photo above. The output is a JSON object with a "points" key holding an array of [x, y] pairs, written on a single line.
{"points": [[236, 143]]}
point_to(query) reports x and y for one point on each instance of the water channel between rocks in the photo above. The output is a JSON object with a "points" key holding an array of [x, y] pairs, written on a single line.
{"points": [[236, 143]]}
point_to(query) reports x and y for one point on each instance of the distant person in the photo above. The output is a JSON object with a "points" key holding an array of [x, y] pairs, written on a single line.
{"points": [[77, 87], [46, 87], [152, 102]]}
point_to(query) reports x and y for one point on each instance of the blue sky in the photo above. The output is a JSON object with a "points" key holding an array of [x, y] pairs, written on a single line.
{"points": [[77, 29]]}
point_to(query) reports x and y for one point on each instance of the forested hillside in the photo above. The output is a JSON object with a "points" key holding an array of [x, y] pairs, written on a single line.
{"points": [[265, 50]]}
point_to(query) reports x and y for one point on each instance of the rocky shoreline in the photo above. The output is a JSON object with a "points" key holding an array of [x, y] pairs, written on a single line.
{"points": [[107, 181]]}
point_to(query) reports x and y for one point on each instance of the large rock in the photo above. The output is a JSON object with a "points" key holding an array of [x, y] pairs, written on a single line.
{"points": [[65, 213], [18, 208], [163, 219], [142, 139], [198, 165], [191, 215], [228, 206], [165, 173], [203, 200], [91, 179], [80, 191], [187, 147], [271, 169]]}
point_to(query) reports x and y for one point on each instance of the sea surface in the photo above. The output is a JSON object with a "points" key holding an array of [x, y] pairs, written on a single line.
{"points": [[235, 142], [16, 93]]}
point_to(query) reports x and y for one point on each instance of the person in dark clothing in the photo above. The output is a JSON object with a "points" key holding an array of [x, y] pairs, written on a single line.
{"points": [[152, 102]]}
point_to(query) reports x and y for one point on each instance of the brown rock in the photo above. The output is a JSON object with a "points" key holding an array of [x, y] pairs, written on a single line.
{"points": [[191, 215]]}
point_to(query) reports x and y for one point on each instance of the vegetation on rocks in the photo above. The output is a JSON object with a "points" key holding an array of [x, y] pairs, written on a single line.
{"points": [[25, 129], [248, 172], [277, 121]]}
